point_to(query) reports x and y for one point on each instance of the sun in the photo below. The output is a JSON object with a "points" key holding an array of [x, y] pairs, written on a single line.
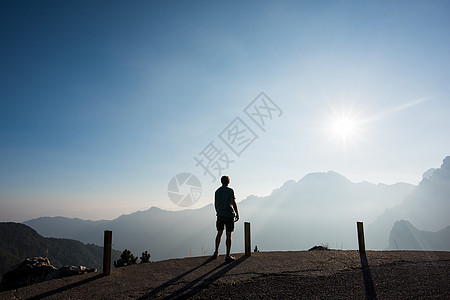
{"points": [[344, 127]]}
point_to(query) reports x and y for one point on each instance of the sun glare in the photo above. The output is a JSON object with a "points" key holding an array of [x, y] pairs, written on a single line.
{"points": [[344, 127], [348, 127]]}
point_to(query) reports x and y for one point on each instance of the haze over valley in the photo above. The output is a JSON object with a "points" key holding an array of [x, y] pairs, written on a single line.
{"points": [[321, 208]]}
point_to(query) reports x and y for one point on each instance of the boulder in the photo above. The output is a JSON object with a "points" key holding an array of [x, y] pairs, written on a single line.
{"points": [[30, 271], [38, 269], [318, 248]]}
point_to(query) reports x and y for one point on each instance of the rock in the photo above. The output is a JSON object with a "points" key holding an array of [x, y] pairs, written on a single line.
{"points": [[38, 269], [30, 271], [67, 271], [318, 248]]}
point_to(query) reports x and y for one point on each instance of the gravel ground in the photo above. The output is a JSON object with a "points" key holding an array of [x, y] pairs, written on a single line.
{"points": [[265, 275], [396, 280]]}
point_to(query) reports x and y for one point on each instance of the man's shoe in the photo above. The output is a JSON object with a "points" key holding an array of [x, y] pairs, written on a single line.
{"points": [[215, 255], [229, 259]]}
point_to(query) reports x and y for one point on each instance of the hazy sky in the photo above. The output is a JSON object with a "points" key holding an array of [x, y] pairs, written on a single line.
{"points": [[103, 102]]}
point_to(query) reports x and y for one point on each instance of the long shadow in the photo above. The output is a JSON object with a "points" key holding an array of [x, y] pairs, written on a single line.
{"points": [[367, 276], [66, 287], [174, 280], [191, 290]]}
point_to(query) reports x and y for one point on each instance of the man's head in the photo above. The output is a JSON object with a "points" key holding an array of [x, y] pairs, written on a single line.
{"points": [[225, 180]]}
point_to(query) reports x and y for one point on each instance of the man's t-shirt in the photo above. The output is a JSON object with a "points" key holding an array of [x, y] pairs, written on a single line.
{"points": [[223, 197]]}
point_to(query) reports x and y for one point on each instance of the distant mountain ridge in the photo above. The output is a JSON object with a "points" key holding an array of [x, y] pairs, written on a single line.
{"points": [[426, 207], [319, 208], [18, 242], [60, 225], [74, 228], [404, 236]]}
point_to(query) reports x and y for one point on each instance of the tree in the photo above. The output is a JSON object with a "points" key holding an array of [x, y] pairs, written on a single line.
{"points": [[126, 259], [145, 257]]}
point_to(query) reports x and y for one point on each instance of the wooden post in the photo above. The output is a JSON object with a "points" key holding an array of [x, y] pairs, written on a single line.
{"points": [[107, 252], [361, 243], [248, 249]]}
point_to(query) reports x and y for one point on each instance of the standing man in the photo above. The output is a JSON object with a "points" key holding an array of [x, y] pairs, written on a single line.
{"points": [[227, 213]]}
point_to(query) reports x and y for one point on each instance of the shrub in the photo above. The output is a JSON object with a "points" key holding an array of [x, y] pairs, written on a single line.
{"points": [[126, 259], [145, 257]]}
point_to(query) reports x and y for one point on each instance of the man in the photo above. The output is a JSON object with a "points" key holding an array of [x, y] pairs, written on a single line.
{"points": [[227, 213]]}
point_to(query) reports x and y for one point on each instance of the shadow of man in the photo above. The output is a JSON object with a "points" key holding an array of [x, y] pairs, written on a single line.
{"points": [[197, 285], [174, 280]]}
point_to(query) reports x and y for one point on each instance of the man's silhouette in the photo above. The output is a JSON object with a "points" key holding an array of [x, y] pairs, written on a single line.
{"points": [[227, 213]]}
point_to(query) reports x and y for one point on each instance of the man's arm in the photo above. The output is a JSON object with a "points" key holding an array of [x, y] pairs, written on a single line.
{"points": [[233, 202], [215, 200]]}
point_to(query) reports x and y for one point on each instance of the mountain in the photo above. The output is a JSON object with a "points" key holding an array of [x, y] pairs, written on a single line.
{"points": [[73, 228], [404, 236], [427, 207], [59, 226], [18, 242], [319, 208], [164, 234]]}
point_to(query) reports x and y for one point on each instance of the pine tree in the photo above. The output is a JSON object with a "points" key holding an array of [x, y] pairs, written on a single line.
{"points": [[145, 257], [126, 259]]}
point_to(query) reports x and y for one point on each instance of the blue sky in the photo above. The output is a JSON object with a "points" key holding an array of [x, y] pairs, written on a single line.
{"points": [[103, 102]]}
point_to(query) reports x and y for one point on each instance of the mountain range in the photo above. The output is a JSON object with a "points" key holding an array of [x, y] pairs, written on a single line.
{"points": [[321, 208], [426, 208]]}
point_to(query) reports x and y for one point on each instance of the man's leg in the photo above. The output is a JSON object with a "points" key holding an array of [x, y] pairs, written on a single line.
{"points": [[218, 238], [228, 242]]}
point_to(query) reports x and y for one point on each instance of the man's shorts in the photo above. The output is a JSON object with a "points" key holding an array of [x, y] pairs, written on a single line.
{"points": [[225, 221]]}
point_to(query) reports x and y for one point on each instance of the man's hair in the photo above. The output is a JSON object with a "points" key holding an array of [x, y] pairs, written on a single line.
{"points": [[225, 180]]}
